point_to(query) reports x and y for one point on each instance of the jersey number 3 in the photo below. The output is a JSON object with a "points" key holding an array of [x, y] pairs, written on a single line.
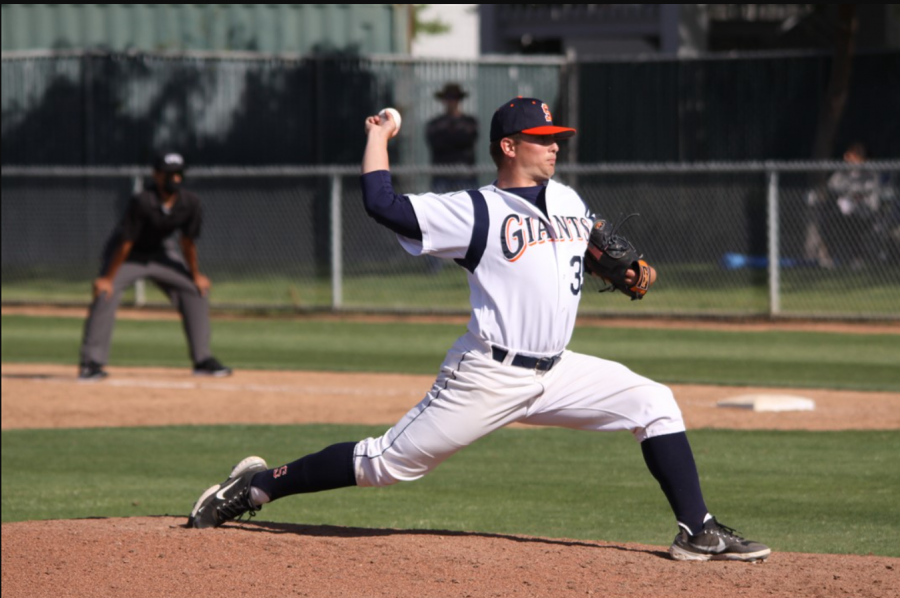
{"points": [[577, 263]]}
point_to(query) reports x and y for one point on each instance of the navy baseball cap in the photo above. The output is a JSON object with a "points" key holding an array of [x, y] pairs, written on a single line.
{"points": [[169, 162], [525, 115]]}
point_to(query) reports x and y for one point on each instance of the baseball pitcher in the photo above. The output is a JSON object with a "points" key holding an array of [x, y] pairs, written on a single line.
{"points": [[526, 244]]}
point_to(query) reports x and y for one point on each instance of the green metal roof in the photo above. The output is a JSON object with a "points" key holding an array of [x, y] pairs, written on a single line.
{"points": [[268, 28]]}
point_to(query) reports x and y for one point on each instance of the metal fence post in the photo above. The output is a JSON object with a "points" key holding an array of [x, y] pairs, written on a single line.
{"points": [[570, 71], [140, 285], [774, 246], [140, 292], [337, 274]]}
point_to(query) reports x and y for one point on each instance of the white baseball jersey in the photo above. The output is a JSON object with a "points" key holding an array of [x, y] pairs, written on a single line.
{"points": [[527, 284], [525, 276]]}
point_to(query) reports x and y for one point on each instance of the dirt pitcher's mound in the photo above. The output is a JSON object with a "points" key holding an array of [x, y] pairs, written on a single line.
{"points": [[158, 557]]}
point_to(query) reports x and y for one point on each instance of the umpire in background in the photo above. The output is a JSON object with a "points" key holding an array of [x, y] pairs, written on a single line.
{"points": [[143, 246]]}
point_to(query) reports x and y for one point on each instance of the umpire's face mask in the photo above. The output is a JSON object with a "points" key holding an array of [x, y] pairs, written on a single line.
{"points": [[172, 182]]}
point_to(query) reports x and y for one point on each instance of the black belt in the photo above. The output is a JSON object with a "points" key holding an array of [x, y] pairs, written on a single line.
{"points": [[542, 364]]}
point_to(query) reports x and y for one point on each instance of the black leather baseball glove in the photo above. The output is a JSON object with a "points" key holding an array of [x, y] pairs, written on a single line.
{"points": [[610, 256]]}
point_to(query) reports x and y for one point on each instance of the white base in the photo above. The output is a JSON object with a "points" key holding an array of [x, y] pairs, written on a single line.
{"points": [[769, 403]]}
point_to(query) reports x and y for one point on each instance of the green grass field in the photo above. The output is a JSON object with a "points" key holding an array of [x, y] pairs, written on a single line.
{"points": [[807, 492], [797, 491], [773, 358], [682, 289]]}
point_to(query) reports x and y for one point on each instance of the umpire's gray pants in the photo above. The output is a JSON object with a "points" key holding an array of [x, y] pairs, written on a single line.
{"points": [[176, 282]]}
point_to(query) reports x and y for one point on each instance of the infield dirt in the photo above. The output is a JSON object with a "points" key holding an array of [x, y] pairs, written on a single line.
{"points": [[158, 556]]}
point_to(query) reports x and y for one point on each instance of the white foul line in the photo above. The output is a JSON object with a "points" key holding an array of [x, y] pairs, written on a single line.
{"points": [[225, 387]]}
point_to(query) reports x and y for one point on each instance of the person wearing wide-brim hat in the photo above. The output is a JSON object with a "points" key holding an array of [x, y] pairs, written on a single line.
{"points": [[451, 91], [451, 138]]}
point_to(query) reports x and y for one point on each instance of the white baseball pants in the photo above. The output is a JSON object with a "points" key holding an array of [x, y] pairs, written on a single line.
{"points": [[475, 395]]}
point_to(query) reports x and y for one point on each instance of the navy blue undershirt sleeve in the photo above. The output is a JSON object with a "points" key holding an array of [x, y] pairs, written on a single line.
{"points": [[393, 211], [535, 195]]}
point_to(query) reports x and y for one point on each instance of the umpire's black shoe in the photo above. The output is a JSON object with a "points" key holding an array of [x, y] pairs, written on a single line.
{"points": [[716, 542], [230, 499], [91, 371], [211, 367]]}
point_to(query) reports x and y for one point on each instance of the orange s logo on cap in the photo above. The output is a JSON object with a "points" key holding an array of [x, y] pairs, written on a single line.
{"points": [[547, 115]]}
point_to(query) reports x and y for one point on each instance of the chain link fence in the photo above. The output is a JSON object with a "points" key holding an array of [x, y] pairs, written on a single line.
{"points": [[92, 108], [789, 240], [95, 108]]}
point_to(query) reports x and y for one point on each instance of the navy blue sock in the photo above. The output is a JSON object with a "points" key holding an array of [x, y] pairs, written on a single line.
{"points": [[330, 468], [671, 461]]}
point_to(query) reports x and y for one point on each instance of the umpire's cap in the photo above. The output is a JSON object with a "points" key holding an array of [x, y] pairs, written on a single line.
{"points": [[525, 115], [169, 162]]}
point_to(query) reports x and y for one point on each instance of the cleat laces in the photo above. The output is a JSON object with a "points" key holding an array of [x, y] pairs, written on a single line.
{"points": [[236, 507], [724, 530]]}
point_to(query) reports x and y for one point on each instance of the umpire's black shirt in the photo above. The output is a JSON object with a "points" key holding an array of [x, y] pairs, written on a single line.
{"points": [[149, 225]]}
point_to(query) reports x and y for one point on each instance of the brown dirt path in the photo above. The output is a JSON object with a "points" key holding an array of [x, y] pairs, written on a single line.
{"points": [[49, 396]]}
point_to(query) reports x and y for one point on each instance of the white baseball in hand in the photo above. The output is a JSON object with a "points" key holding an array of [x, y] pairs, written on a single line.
{"points": [[395, 115]]}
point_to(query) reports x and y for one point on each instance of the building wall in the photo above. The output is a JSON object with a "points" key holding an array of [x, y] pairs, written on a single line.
{"points": [[461, 41], [684, 30], [270, 28]]}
